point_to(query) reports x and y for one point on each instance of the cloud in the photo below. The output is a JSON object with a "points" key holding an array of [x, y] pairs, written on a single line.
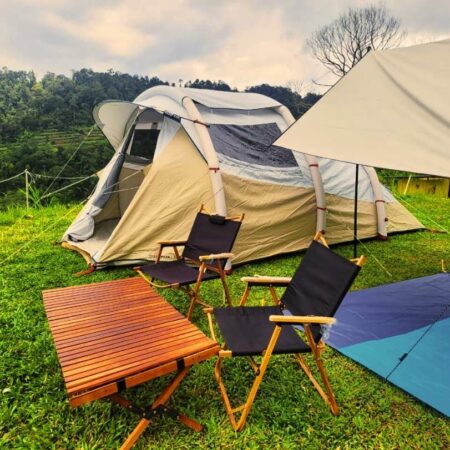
{"points": [[106, 30], [242, 43]]}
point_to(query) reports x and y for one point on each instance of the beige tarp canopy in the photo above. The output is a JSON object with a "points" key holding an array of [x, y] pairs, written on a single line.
{"points": [[392, 110]]}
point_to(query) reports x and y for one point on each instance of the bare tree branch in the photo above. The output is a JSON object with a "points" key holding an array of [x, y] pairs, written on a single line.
{"points": [[342, 43]]}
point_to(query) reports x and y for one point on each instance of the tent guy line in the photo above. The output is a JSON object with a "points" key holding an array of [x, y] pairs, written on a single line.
{"points": [[443, 229], [70, 159], [66, 187], [370, 254], [35, 238], [13, 177]]}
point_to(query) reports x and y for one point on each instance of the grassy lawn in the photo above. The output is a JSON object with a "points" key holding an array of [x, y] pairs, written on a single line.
{"points": [[34, 411]]}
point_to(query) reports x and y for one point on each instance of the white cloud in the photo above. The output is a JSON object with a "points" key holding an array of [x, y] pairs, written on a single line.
{"points": [[242, 43], [258, 48], [108, 30]]}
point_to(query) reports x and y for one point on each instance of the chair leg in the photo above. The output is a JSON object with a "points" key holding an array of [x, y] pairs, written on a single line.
{"points": [[328, 394], [273, 293], [331, 397], [161, 400], [194, 293], [246, 407], [193, 300], [225, 288], [245, 295]]}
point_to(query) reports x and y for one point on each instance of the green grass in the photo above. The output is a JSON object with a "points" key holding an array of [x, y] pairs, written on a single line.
{"points": [[288, 414]]}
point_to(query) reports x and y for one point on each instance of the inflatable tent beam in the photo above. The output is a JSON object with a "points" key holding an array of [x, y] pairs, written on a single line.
{"points": [[379, 202], [210, 155], [315, 176]]}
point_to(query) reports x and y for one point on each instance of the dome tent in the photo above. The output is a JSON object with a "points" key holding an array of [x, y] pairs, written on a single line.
{"points": [[177, 148]]}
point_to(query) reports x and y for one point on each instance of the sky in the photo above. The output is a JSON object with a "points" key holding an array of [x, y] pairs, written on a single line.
{"points": [[244, 42]]}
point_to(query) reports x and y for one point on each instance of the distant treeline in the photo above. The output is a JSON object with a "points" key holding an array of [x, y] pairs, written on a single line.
{"points": [[61, 102], [43, 121]]}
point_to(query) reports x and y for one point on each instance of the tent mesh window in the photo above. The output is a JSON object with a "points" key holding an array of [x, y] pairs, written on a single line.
{"points": [[251, 144], [144, 144]]}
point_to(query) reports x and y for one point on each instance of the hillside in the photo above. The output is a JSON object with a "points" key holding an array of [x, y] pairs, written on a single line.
{"points": [[42, 122], [45, 155]]}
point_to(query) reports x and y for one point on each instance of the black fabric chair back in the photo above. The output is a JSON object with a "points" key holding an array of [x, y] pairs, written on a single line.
{"points": [[320, 283], [210, 234]]}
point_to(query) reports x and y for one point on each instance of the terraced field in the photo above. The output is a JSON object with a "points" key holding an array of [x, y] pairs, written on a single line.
{"points": [[69, 154], [64, 138]]}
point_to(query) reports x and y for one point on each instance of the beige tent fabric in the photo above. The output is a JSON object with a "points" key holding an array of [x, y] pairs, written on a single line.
{"points": [[102, 232], [400, 219], [278, 219], [340, 212], [390, 111], [129, 182], [110, 211], [163, 208]]}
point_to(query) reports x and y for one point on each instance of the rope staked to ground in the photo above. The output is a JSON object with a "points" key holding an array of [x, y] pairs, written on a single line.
{"points": [[404, 202], [66, 187], [70, 159], [12, 178]]}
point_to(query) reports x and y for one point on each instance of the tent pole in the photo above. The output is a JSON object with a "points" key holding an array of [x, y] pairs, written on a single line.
{"points": [[355, 214]]}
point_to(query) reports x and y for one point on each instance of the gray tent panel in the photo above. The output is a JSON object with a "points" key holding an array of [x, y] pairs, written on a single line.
{"points": [[251, 144]]}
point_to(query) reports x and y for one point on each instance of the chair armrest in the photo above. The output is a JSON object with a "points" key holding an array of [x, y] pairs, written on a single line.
{"points": [[265, 280], [302, 320], [216, 256], [171, 243]]}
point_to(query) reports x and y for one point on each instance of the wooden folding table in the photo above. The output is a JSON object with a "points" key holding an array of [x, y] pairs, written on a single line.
{"points": [[114, 335]]}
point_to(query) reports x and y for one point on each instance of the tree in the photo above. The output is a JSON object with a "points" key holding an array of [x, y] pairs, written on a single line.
{"points": [[207, 84], [342, 43]]}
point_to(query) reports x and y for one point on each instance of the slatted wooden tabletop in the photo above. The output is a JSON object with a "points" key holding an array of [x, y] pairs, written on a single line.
{"points": [[118, 331]]}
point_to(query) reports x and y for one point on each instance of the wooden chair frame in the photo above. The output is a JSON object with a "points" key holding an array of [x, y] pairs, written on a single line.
{"points": [[211, 262], [325, 390]]}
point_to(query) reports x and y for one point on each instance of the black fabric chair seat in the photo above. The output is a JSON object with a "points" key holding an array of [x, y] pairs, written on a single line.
{"points": [[176, 272], [247, 331]]}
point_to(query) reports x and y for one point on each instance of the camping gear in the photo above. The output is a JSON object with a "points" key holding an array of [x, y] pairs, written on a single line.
{"points": [[401, 332], [390, 111], [312, 297], [114, 335], [176, 148], [401, 122], [204, 257]]}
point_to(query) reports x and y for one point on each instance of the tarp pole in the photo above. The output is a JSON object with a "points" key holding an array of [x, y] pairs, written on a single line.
{"points": [[355, 214]]}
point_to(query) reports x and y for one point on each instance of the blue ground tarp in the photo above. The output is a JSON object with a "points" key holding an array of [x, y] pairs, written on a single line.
{"points": [[378, 326]]}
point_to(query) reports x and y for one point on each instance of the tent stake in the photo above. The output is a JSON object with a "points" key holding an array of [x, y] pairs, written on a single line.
{"points": [[355, 214]]}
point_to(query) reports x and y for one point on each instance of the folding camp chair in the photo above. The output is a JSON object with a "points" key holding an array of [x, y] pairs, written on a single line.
{"points": [[312, 297], [204, 257]]}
